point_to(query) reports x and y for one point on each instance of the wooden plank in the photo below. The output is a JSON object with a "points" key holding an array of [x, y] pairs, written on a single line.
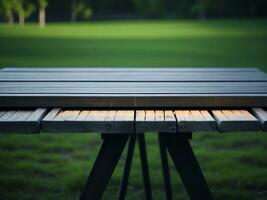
{"points": [[64, 115], [111, 114], [261, 115], [73, 115], [52, 114], [140, 115], [136, 101], [206, 115], [23, 115], [120, 115], [179, 115], [37, 115], [19, 115], [150, 116], [97, 115], [167, 76], [91, 121], [169, 116], [194, 120], [233, 120], [2, 113], [22, 121], [185, 87], [7, 115], [82, 115], [197, 116], [155, 121], [159, 115], [129, 115]]}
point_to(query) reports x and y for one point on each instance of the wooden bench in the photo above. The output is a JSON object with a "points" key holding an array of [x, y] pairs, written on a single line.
{"points": [[123, 104]]}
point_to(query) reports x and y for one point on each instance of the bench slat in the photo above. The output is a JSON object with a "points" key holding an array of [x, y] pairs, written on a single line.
{"points": [[146, 75], [155, 120], [90, 121], [2, 113], [261, 114], [96, 115], [233, 120], [194, 120], [21, 121], [169, 116], [140, 115], [82, 115], [7, 115], [37, 115], [110, 115], [52, 114]]}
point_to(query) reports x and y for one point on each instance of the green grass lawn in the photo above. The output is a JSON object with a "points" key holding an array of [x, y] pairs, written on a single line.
{"points": [[137, 44], [51, 166]]}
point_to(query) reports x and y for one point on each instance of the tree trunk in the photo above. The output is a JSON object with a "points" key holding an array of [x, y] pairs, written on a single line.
{"points": [[21, 20], [10, 19], [73, 16], [42, 17]]}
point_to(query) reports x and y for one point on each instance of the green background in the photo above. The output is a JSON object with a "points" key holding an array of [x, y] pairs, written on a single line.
{"points": [[54, 166]]}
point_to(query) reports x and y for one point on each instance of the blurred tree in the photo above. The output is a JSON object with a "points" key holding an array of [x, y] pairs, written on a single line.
{"points": [[80, 9], [42, 6], [200, 7], [152, 8], [23, 9], [7, 10], [60, 10], [181, 9]]}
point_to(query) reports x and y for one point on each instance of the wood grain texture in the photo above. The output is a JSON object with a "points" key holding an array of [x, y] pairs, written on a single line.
{"points": [[21, 121], [131, 76], [155, 120], [235, 120], [194, 120], [104, 121], [126, 121], [149, 88]]}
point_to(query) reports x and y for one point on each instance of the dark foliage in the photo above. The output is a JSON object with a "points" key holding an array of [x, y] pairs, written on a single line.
{"points": [[60, 10]]}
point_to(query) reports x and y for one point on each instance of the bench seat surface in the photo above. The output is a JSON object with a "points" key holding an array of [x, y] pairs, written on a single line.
{"points": [[60, 120], [133, 88]]}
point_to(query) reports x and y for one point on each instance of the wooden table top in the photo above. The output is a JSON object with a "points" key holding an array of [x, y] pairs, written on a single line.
{"points": [[133, 88]]}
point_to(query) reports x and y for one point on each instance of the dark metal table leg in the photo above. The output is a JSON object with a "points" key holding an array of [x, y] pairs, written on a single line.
{"points": [[165, 167], [106, 161], [127, 168], [187, 166], [144, 165]]}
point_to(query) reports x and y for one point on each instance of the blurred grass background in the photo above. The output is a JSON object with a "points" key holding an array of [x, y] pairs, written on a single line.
{"points": [[54, 166], [225, 43]]}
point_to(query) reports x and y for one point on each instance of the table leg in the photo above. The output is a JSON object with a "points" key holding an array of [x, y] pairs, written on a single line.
{"points": [[144, 165], [187, 166], [106, 161], [127, 168], [165, 167]]}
